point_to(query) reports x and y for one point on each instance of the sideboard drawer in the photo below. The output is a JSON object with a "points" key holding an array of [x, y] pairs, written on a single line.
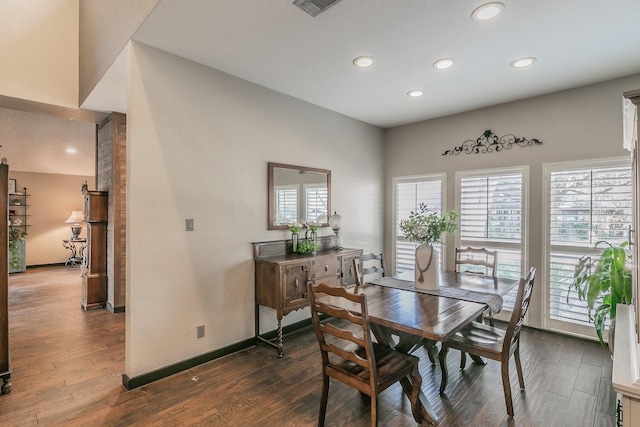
{"points": [[330, 266]]}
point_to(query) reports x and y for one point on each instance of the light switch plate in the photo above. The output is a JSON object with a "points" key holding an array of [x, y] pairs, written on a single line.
{"points": [[189, 222]]}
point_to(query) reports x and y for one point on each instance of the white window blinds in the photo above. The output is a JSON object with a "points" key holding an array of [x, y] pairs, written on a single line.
{"points": [[286, 204], [315, 202], [587, 203], [409, 193], [491, 209]]}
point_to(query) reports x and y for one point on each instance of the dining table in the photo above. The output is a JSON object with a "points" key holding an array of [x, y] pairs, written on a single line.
{"points": [[406, 318]]}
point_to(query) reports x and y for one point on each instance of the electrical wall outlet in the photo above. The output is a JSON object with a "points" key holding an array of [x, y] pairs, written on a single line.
{"points": [[189, 222], [200, 331]]}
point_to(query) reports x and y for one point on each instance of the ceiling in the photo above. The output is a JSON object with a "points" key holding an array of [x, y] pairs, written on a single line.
{"points": [[277, 45]]}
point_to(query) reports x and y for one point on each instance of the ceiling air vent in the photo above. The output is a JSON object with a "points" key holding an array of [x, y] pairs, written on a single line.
{"points": [[315, 7]]}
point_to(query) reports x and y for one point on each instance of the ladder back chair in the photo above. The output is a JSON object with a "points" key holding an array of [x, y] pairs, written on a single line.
{"points": [[369, 264], [350, 356], [478, 261], [493, 343]]}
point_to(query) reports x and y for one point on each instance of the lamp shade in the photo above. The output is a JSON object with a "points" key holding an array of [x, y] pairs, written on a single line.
{"points": [[335, 221], [76, 217]]}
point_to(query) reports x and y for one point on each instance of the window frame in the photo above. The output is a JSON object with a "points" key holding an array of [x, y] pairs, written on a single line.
{"points": [[583, 331], [523, 246], [442, 177]]}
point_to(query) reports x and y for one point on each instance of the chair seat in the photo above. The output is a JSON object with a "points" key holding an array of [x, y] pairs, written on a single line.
{"points": [[390, 365], [479, 339]]}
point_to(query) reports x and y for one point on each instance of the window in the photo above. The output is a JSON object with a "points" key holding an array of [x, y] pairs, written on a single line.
{"points": [[492, 209], [316, 196], [409, 193], [286, 201], [586, 202]]}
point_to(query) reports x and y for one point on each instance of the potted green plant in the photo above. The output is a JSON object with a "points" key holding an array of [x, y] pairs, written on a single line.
{"points": [[426, 228], [16, 248], [604, 284], [307, 247]]}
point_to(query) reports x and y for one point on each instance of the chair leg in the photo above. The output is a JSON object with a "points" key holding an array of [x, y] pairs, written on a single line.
{"points": [[516, 356], [323, 400], [374, 410], [416, 382], [463, 360], [442, 357], [506, 385]]}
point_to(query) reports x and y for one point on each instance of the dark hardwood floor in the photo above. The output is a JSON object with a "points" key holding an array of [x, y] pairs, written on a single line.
{"points": [[67, 366]]}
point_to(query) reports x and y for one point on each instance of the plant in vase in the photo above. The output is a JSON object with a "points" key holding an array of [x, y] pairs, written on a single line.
{"points": [[294, 229], [313, 228], [604, 284], [307, 247], [426, 228]]}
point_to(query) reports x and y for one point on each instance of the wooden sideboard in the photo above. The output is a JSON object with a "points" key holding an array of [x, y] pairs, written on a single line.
{"points": [[281, 277]]}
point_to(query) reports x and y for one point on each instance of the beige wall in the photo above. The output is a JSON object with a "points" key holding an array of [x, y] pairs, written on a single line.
{"points": [[40, 51], [198, 146], [584, 123], [105, 29], [52, 198]]}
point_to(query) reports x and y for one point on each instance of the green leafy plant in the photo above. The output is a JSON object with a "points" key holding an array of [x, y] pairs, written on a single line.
{"points": [[603, 283], [295, 228], [424, 227], [16, 235], [307, 247]]}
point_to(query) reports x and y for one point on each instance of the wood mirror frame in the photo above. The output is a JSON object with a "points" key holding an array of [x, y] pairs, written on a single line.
{"points": [[275, 172]]}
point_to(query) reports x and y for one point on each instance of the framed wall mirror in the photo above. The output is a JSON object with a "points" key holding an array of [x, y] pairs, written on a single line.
{"points": [[298, 194]]}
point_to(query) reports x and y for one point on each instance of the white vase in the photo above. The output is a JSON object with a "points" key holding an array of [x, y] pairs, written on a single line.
{"points": [[427, 267]]}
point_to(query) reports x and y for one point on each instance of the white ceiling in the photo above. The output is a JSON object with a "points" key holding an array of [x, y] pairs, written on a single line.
{"points": [[277, 45]]}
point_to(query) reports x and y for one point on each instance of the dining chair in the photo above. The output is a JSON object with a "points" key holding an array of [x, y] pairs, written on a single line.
{"points": [[349, 354], [369, 264], [493, 343], [478, 261]]}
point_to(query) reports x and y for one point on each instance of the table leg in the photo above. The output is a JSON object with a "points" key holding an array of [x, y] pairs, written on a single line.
{"points": [[442, 356], [477, 359]]}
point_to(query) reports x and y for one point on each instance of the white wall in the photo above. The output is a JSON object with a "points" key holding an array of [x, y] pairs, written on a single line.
{"points": [[198, 146], [40, 51], [584, 123]]}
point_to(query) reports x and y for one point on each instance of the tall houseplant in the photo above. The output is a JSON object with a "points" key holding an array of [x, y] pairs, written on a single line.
{"points": [[604, 284], [426, 228]]}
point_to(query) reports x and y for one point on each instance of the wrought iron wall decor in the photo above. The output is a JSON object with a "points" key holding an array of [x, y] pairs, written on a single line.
{"points": [[489, 142]]}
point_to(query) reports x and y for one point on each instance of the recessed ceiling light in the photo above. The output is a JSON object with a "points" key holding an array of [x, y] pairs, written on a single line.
{"points": [[415, 93], [444, 63], [363, 61], [523, 62], [71, 150], [487, 11]]}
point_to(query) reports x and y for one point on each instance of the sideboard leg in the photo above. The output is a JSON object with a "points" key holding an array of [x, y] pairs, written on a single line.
{"points": [[280, 346]]}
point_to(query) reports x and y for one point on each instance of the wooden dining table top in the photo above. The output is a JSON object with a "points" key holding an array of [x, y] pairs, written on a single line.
{"points": [[428, 316]]}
